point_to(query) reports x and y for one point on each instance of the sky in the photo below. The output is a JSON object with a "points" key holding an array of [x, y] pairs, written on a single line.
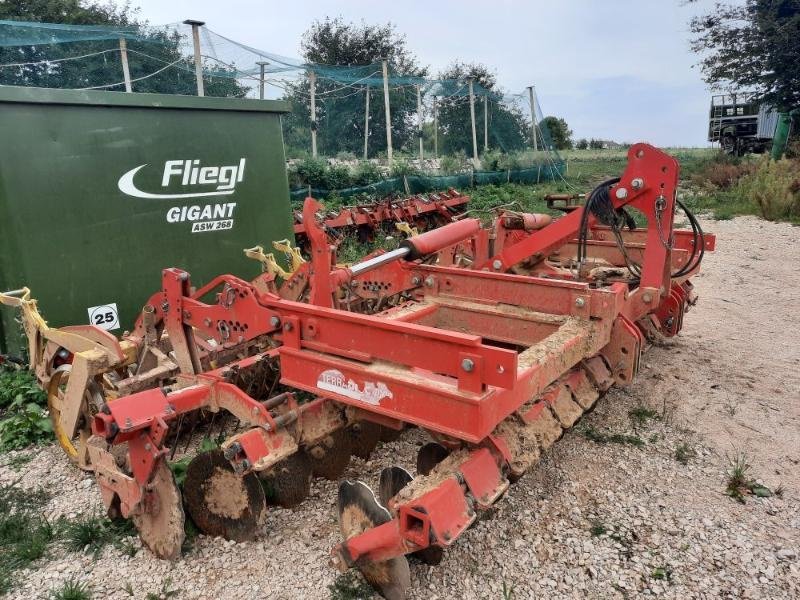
{"points": [[614, 69]]}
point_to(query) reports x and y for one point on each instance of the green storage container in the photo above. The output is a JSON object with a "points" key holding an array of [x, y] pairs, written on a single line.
{"points": [[101, 190]]}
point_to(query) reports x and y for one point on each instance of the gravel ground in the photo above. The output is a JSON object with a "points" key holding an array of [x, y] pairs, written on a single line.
{"points": [[592, 520]]}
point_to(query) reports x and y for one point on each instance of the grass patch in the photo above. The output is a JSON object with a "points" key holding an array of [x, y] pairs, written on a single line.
{"points": [[662, 573], [72, 590], [739, 481], [350, 586], [641, 414], [598, 528], [24, 533], [684, 453], [165, 593], [93, 533], [23, 419], [599, 437]]}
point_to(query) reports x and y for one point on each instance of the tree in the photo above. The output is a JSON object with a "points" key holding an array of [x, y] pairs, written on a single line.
{"points": [[596, 144], [752, 46], [346, 59], [162, 47], [582, 144], [508, 127], [559, 132]]}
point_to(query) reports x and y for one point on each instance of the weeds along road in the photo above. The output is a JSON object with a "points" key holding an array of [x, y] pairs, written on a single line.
{"points": [[630, 503]]}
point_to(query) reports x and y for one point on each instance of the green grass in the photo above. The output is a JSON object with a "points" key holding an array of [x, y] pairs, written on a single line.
{"points": [[599, 437], [641, 414], [24, 533], [739, 481], [684, 453], [350, 586], [92, 533], [72, 590], [23, 420]]}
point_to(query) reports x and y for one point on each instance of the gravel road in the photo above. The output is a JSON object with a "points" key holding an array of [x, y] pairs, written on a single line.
{"points": [[593, 520]]}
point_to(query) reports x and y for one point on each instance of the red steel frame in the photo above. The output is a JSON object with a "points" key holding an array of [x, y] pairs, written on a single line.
{"points": [[413, 363], [408, 210]]}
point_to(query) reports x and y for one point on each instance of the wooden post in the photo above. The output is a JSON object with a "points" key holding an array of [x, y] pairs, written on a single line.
{"points": [[387, 110], [312, 80], [198, 63], [485, 122], [126, 72], [366, 124], [419, 119], [533, 117], [262, 79], [435, 129], [472, 119]]}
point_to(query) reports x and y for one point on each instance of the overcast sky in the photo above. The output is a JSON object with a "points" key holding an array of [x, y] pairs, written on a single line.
{"points": [[618, 69]]}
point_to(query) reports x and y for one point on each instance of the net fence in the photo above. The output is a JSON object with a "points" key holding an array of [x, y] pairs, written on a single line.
{"points": [[338, 113]]}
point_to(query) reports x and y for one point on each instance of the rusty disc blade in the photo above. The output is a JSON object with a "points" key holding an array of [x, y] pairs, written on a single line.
{"points": [[288, 483], [330, 457], [220, 502], [393, 479], [390, 435], [359, 511], [364, 436], [160, 524], [430, 455]]}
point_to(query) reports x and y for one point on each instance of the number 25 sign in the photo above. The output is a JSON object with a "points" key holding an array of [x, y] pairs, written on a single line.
{"points": [[104, 316]]}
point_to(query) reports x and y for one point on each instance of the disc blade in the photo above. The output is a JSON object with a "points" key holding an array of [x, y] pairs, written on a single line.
{"points": [[288, 483], [364, 436], [393, 479], [160, 525], [220, 502], [359, 511], [430, 455], [330, 457]]}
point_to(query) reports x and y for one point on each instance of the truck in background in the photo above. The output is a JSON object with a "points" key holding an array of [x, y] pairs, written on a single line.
{"points": [[741, 125]]}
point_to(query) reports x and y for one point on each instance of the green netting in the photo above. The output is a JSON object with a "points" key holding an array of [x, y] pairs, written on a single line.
{"points": [[435, 111], [419, 184]]}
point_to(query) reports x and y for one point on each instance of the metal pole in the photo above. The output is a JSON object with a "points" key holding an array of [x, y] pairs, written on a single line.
{"points": [[366, 124], [485, 123], [533, 118], [126, 72], [387, 110], [262, 79], [198, 64], [312, 80], [419, 118], [435, 129], [472, 119]]}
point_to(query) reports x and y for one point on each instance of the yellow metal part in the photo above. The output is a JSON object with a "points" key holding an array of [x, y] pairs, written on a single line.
{"points": [[404, 227], [32, 321], [94, 352], [292, 253], [268, 262]]}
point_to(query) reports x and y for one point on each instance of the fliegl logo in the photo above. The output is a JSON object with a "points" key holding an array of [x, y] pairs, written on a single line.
{"points": [[199, 181]]}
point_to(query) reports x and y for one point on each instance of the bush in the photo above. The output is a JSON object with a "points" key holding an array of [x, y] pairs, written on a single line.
{"points": [[20, 386], [721, 172], [451, 164], [366, 173], [337, 178], [344, 155], [309, 171], [775, 188], [24, 420], [401, 167], [491, 160]]}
